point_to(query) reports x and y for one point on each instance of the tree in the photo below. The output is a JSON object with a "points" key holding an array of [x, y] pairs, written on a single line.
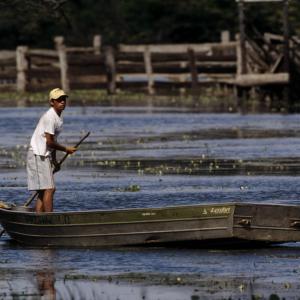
{"points": [[35, 22]]}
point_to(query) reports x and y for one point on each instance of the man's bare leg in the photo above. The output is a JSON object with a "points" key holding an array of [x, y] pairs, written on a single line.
{"points": [[48, 200], [39, 207]]}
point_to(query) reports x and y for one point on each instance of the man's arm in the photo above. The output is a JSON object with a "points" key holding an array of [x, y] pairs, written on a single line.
{"points": [[51, 143]]}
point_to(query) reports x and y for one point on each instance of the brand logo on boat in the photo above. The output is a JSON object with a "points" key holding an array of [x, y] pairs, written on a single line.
{"points": [[216, 210]]}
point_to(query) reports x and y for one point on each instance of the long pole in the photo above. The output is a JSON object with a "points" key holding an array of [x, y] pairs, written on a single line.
{"points": [[242, 40], [242, 67], [32, 197], [286, 52]]}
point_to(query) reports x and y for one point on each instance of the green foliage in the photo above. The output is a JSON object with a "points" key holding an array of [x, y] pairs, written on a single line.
{"points": [[34, 23], [130, 188]]}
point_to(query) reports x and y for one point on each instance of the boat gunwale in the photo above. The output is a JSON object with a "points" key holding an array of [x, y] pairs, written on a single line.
{"points": [[136, 209], [116, 223]]}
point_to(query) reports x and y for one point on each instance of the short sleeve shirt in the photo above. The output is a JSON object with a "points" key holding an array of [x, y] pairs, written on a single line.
{"points": [[51, 123]]}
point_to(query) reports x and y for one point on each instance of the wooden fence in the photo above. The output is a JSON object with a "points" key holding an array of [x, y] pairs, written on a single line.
{"points": [[173, 67], [8, 70], [148, 68], [152, 69]]}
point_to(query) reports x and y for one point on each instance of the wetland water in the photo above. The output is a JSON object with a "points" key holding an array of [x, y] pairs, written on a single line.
{"points": [[170, 157]]}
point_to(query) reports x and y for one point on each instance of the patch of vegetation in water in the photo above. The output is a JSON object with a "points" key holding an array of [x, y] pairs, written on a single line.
{"points": [[130, 188], [209, 99]]}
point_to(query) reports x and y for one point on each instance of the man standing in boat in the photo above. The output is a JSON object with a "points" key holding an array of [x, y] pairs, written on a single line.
{"points": [[41, 157]]}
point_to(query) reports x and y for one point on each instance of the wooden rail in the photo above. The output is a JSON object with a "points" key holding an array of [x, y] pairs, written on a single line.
{"points": [[148, 68], [8, 70]]}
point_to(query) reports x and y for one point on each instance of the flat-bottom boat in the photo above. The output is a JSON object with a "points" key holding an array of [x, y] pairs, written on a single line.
{"points": [[185, 225]]}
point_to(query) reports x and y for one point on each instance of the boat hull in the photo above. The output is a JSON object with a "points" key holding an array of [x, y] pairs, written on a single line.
{"points": [[185, 225]]}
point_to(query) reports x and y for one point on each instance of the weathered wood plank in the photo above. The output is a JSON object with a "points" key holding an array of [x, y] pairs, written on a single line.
{"points": [[97, 43], [169, 57], [110, 69], [62, 55], [201, 68], [22, 68], [136, 56], [177, 68], [276, 65], [43, 53], [193, 69], [176, 48], [149, 71], [262, 79], [7, 55], [88, 78]]}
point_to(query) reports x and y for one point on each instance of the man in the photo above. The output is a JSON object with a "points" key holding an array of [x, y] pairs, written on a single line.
{"points": [[42, 151]]}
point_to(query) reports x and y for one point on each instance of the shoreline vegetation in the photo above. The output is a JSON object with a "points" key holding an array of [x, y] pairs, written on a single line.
{"points": [[208, 100]]}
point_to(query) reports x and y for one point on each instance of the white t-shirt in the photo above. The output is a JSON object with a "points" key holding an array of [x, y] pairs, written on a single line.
{"points": [[51, 123]]}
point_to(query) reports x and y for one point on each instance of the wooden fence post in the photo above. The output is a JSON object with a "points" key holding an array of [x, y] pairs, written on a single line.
{"points": [[242, 39], [225, 36], [110, 70], [148, 68], [97, 42], [241, 58], [22, 68], [63, 62], [238, 55], [286, 51], [193, 69]]}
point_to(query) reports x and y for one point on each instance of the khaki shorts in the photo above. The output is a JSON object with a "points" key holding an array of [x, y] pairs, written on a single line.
{"points": [[39, 172]]}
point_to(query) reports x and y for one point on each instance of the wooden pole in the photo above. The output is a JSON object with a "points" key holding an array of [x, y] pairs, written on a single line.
{"points": [[225, 36], [242, 39], [63, 62], [148, 68], [110, 63], [286, 36], [22, 68], [286, 51], [242, 57], [97, 42], [193, 69], [238, 55]]}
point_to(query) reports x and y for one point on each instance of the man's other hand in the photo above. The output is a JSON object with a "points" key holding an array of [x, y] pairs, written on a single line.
{"points": [[71, 150]]}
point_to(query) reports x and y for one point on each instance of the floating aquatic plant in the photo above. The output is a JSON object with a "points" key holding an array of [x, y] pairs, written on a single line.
{"points": [[130, 188]]}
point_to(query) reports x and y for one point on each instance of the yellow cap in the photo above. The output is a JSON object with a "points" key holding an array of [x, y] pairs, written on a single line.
{"points": [[57, 93]]}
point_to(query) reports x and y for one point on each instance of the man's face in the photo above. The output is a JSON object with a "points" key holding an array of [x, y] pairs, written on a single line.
{"points": [[59, 104]]}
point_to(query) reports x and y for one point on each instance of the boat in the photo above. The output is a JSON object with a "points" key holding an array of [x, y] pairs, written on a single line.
{"points": [[189, 225]]}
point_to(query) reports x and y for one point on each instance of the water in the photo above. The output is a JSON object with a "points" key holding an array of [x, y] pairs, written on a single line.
{"points": [[128, 147]]}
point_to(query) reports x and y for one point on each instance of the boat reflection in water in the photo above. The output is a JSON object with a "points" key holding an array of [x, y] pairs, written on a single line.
{"points": [[156, 287]]}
